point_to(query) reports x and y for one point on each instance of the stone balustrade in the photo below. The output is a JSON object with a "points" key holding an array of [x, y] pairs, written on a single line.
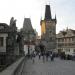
{"points": [[11, 69]]}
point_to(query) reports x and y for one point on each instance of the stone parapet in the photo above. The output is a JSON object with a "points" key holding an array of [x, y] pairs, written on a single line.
{"points": [[11, 69]]}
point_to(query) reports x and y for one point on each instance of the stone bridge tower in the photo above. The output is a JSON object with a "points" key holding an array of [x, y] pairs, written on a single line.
{"points": [[48, 30]]}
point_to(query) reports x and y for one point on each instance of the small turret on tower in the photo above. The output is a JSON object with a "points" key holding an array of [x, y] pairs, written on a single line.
{"points": [[55, 18]]}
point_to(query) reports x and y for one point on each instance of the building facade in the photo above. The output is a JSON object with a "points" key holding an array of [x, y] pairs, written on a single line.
{"points": [[66, 41], [7, 44], [4, 29], [9, 47], [48, 30]]}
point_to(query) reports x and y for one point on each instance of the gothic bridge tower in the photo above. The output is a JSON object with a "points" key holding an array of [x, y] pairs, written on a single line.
{"points": [[48, 30]]}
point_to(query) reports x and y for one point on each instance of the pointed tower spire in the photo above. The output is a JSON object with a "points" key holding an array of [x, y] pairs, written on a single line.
{"points": [[48, 13], [27, 25], [55, 18]]}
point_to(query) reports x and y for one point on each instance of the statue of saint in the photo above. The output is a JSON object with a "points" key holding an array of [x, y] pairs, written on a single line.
{"points": [[13, 24], [11, 21]]}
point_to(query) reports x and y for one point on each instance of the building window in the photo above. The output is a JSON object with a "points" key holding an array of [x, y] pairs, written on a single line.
{"points": [[1, 41], [73, 38], [60, 40], [69, 39]]}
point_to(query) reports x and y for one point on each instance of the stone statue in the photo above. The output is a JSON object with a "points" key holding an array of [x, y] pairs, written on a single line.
{"points": [[12, 22]]}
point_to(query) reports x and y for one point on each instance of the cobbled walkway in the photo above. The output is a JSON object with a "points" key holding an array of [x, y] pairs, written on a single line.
{"points": [[56, 67]]}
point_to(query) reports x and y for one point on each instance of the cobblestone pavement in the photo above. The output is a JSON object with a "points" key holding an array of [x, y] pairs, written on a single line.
{"points": [[56, 67]]}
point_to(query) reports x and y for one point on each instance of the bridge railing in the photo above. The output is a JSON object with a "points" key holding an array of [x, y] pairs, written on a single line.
{"points": [[12, 68]]}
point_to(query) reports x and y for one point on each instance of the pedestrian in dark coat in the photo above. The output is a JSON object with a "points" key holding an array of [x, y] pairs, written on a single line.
{"points": [[52, 57], [39, 55], [33, 57], [47, 55]]}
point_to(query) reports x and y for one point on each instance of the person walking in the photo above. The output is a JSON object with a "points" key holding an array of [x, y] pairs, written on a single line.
{"points": [[52, 57], [39, 55], [43, 56], [47, 55], [33, 57]]}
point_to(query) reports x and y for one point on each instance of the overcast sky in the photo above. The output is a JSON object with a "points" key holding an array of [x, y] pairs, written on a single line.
{"points": [[34, 9]]}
